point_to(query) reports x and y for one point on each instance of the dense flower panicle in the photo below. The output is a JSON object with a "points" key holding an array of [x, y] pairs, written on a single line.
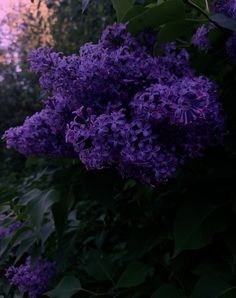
{"points": [[227, 7], [32, 279], [115, 104], [7, 231], [201, 38]]}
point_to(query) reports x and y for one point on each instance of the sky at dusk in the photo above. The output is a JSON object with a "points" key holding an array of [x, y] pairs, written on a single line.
{"points": [[10, 7]]}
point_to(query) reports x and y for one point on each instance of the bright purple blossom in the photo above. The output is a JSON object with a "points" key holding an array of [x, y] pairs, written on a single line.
{"points": [[32, 279], [115, 104]]}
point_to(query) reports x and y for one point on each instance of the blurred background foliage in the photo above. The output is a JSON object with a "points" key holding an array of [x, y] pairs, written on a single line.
{"points": [[110, 237]]}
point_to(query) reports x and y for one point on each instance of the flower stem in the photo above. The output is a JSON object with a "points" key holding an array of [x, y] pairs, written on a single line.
{"points": [[207, 6]]}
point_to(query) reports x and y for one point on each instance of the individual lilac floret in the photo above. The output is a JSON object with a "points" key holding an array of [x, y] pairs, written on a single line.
{"points": [[201, 38], [7, 231], [32, 279], [227, 7], [231, 47]]}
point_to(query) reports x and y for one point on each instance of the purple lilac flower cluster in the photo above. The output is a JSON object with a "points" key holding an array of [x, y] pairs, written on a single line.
{"points": [[32, 279], [7, 231], [226, 7], [115, 104], [201, 38]]}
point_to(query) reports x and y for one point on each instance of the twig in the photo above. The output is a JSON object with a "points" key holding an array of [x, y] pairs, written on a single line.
{"points": [[207, 6], [203, 12]]}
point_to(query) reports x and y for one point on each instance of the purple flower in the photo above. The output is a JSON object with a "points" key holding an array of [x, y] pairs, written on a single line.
{"points": [[182, 103], [40, 134], [201, 38], [227, 7], [7, 231], [32, 279], [97, 139], [116, 105]]}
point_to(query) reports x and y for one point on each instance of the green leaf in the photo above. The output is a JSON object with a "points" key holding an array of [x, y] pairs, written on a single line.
{"points": [[121, 7], [40, 205], [173, 30], [24, 247], [224, 21], [60, 212], [157, 15], [166, 291], [66, 288], [149, 239], [229, 293], [98, 265], [196, 223], [210, 287], [134, 12], [214, 266], [134, 275]]}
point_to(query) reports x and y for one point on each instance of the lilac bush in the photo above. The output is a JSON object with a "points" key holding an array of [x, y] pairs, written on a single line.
{"points": [[115, 104], [32, 279]]}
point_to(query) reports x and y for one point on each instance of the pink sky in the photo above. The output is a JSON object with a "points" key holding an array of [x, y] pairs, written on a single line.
{"points": [[7, 6]]}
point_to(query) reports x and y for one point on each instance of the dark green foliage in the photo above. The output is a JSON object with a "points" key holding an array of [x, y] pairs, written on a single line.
{"points": [[224, 21], [66, 288]]}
